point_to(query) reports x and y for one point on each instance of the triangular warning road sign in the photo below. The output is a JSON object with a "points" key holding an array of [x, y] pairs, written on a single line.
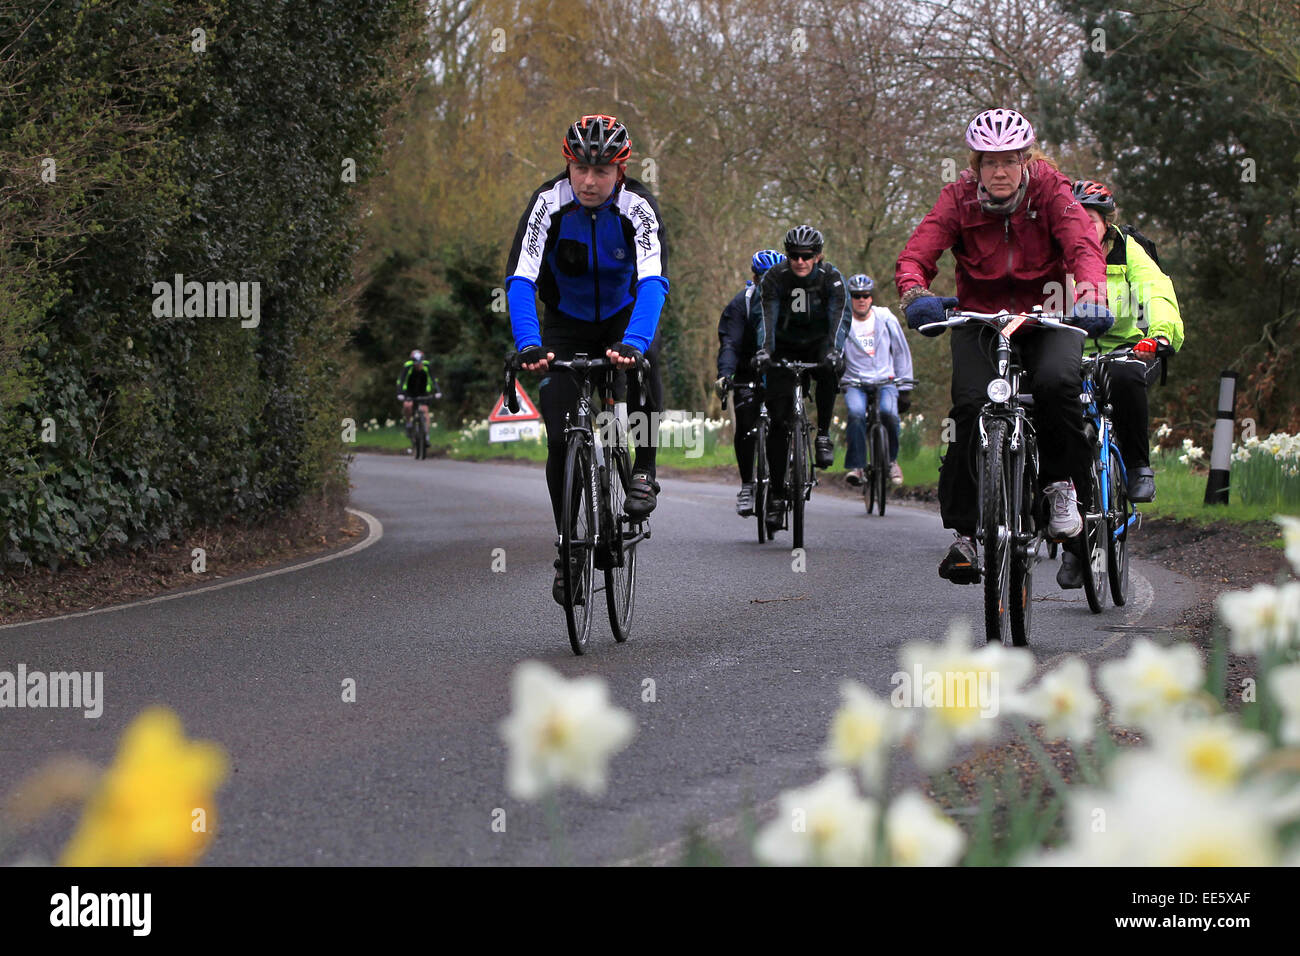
{"points": [[527, 410]]}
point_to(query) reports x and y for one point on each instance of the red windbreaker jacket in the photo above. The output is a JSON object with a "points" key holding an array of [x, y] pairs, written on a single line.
{"points": [[1010, 262]]}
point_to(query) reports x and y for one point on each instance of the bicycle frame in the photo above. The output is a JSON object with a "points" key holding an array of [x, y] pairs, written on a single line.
{"points": [[1098, 410]]}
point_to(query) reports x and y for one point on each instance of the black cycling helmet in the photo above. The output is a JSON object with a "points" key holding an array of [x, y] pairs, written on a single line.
{"points": [[862, 283], [1094, 195], [803, 237], [597, 140]]}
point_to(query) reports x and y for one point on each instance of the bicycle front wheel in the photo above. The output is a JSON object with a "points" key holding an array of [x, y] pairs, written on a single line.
{"points": [[1091, 544], [880, 474], [1023, 543], [995, 524], [795, 478], [1118, 514], [620, 577], [578, 520], [421, 437]]}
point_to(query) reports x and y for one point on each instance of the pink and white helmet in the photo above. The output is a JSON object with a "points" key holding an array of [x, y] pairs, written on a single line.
{"points": [[999, 130]]}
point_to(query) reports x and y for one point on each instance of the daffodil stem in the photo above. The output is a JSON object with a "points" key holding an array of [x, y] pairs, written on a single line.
{"points": [[1041, 755], [555, 829]]}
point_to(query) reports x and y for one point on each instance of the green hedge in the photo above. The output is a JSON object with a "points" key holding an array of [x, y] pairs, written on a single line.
{"points": [[224, 165]]}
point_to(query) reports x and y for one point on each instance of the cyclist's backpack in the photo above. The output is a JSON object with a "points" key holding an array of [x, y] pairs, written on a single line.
{"points": [[1145, 243]]}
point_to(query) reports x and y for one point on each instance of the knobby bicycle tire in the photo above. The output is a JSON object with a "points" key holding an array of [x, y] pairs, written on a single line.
{"points": [[1091, 547], [1117, 518]]}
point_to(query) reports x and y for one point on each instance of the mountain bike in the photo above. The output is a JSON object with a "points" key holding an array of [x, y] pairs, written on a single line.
{"points": [[1011, 516], [1107, 525], [595, 534], [800, 475], [761, 477], [876, 471]]}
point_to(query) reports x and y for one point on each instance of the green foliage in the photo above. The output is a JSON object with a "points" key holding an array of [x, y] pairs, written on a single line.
{"points": [[222, 165]]}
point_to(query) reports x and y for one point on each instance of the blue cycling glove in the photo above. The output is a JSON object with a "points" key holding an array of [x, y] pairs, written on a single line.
{"points": [[1092, 318], [927, 309]]}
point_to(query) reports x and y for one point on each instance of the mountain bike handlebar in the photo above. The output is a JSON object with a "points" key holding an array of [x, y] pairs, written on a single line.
{"points": [[1001, 320]]}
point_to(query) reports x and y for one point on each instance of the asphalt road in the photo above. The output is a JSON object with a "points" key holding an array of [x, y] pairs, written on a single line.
{"points": [[746, 655]]}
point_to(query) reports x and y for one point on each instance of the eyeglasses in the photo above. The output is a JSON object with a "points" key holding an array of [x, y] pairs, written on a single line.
{"points": [[999, 164], [801, 256], [861, 295]]}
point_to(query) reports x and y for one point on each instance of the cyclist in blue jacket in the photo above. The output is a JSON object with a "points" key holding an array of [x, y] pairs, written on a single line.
{"points": [[737, 343], [591, 246]]}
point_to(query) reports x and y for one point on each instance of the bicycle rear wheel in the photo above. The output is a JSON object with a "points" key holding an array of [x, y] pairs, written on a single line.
{"points": [[880, 474], [761, 480], [577, 518], [796, 478], [1118, 513], [620, 577], [995, 524], [1090, 546]]}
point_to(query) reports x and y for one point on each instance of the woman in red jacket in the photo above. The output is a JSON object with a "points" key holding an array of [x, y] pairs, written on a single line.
{"points": [[1020, 240]]}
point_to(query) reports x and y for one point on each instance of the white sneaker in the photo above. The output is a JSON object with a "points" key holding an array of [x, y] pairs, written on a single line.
{"points": [[1066, 522], [895, 474]]}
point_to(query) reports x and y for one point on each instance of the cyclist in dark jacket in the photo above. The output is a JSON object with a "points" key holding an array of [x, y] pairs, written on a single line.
{"points": [[805, 319], [591, 245], [737, 342]]}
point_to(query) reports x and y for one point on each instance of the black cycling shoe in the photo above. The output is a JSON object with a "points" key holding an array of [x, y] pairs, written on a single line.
{"points": [[1142, 485], [775, 514], [641, 494], [557, 587], [825, 451], [745, 500], [1069, 575], [960, 565]]}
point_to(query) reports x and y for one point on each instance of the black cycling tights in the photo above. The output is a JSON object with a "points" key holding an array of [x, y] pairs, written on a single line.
{"points": [[558, 392]]}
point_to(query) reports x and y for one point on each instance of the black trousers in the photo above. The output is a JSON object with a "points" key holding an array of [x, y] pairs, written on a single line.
{"points": [[780, 405], [1130, 412], [746, 402], [1053, 356], [557, 395]]}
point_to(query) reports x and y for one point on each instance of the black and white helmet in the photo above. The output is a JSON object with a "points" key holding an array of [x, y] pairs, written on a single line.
{"points": [[803, 237], [597, 140]]}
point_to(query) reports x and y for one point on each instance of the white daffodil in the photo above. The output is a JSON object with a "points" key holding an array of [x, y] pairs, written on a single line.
{"points": [[560, 732], [825, 824], [1215, 751], [958, 689], [1284, 685], [861, 733], [1157, 815], [1291, 539], [918, 833], [1064, 702], [1263, 618], [1150, 681]]}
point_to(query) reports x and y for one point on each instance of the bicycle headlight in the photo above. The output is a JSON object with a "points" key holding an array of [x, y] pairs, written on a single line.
{"points": [[999, 390]]}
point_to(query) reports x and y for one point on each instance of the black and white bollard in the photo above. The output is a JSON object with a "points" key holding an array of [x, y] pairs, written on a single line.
{"points": [[1216, 487]]}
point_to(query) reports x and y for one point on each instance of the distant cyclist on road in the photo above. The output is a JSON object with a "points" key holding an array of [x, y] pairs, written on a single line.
{"points": [[805, 319], [591, 245], [416, 381], [1139, 294], [737, 342], [876, 353], [1016, 230]]}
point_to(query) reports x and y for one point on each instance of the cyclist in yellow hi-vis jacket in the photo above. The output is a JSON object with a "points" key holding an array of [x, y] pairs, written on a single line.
{"points": [[1146, 317]]}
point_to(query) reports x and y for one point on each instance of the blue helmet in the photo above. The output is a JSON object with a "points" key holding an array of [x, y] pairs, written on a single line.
{"points": [[862, 283], [764, 259]]}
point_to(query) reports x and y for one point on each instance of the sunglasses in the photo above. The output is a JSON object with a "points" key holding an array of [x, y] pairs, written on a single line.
{"points": [[801, 256], [862, 295]]}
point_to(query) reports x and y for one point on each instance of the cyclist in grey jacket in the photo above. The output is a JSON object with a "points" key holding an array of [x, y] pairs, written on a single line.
{"points": [[875, 353]]}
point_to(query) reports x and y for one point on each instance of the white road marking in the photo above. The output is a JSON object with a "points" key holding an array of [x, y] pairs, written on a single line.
{"points": [[376, 532]]}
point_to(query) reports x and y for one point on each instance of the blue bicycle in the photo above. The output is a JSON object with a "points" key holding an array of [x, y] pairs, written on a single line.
{"points": [[1106, 526]]}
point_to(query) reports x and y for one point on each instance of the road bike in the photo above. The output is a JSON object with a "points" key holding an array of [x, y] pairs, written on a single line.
{"points": [[595, 533], [1012, 522], [800, 475], [876, 471], [759, 432]]}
